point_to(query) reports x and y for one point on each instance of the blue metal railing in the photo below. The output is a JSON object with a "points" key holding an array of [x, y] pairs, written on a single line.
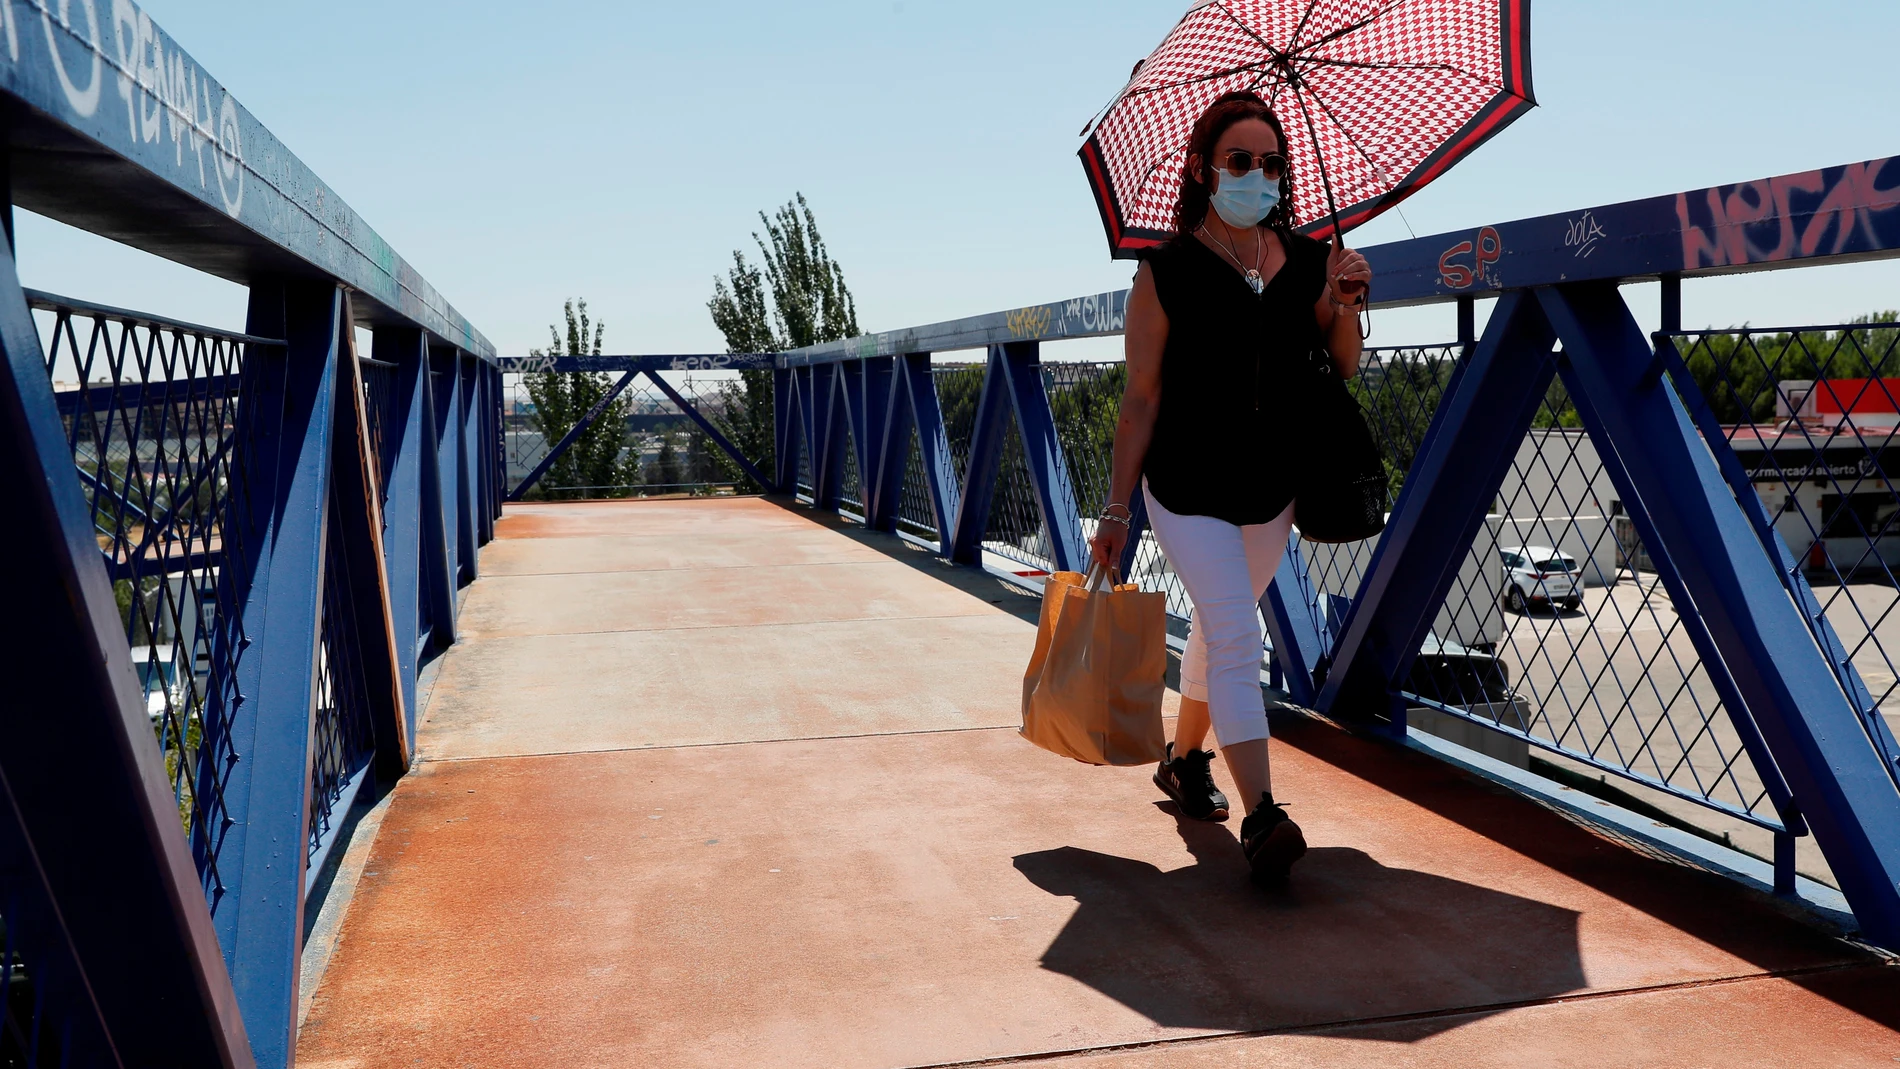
{"points": [[236, 549], [1658, 669]]}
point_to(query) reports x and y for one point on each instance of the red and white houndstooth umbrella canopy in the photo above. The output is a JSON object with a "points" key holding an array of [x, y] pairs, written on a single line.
{"points": [[1378, 97]]}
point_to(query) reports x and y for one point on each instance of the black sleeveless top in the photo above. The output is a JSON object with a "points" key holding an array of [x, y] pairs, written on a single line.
{"points": [[1234, 377]]}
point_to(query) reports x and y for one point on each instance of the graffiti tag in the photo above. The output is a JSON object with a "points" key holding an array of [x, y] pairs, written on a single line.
{"points": [[1828, 212], [1103, 312], [1583, 233], [701, 363], [1458, 273], [1030, 322]]}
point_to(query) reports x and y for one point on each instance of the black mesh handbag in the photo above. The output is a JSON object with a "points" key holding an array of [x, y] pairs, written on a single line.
{"points": [[1339, 491]]}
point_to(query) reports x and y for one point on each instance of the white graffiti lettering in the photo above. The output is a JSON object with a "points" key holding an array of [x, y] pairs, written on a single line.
{"points": [[1583, 233], [83, 101], [701, 363], [164, 94], [12, 22]]}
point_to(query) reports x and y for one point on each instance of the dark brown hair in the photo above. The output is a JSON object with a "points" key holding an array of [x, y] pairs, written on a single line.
{"points": [[1191, 209]]}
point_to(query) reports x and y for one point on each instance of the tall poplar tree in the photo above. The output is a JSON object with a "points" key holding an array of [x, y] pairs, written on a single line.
{"points": [[794, 298], [592, 466]]}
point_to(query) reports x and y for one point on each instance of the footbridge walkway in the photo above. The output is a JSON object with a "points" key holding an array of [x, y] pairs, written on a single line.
{"points": [[342, 731], [730, 783]]}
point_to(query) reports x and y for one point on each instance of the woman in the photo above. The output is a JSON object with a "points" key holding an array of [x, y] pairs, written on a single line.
{"points": [[1228, 325]]}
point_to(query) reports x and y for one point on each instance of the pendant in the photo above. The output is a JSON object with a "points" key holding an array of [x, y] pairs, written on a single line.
{"points": [[1253, 279]]}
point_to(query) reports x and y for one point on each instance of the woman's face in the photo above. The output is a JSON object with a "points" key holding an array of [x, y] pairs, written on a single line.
{"points": [[1252, 136]]}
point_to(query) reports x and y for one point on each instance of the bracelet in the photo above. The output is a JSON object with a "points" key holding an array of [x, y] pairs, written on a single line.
{"points": [[1123, 520]]}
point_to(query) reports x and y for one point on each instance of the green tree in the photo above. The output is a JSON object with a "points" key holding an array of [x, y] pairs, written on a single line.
{"points": [[561, 398], [797, 297], [667, 474]]}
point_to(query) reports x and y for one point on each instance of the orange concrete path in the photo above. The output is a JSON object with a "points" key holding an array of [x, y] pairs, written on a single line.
{"points": [[720, 783]]}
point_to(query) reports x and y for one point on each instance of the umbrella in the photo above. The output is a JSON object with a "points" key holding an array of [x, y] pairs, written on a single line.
{"points": [[1378, 97]]}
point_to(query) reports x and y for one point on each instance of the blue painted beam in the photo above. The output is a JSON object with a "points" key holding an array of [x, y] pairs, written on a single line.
{"points": [[809, 411], [1831, 215], [718, 437], [573, 435], [1042, 453], [468, 466], [785, 432], [1786, 566], [1616, 468], [107, 905], [437, 550], [445, 373], [266, 790], [880, 380], [984, 465], [827, 462], [1486, 410], [852, 405], [1846, 794], [406, 446], [121, 132], [893, 448], [527, 365], [1093, 316], [941, 483], [1287, 606], [129, 395]]}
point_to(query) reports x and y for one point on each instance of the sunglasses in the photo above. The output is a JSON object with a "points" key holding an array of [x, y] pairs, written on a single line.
{"points": [[1240, 161]]}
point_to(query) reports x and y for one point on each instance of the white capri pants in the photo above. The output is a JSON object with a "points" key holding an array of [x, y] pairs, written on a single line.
{"points": [[1225, 569]]}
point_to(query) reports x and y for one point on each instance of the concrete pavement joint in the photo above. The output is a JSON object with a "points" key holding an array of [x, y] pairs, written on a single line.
{"points": [[1397, 1018]]}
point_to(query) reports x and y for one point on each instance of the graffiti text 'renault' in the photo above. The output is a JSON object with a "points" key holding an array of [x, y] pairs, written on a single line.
{"points": [[1470, 262], [1829, 212], [164, 92]]}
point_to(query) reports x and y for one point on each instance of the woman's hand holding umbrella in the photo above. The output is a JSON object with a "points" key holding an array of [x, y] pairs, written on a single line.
{"points": [[1347, 275]]}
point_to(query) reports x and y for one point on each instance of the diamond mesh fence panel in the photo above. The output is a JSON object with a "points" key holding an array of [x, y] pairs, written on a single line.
{"points": [[342, 738], [150, 410], [850, 485], [1811, 415], [643, 445], [914, 514], [1574, 647]]}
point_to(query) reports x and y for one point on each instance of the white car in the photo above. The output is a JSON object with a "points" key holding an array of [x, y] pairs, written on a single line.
{"points": [[1539, 575]]}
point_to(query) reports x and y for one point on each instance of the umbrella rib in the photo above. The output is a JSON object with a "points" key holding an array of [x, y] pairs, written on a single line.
{"points": [[1347, 29], [1249, 30], [1350, 139], [1322, 61], [1224, 72]]}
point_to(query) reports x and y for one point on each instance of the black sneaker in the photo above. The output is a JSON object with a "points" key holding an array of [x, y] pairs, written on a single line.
{"points": [[1272, 843], [1186, 779]]}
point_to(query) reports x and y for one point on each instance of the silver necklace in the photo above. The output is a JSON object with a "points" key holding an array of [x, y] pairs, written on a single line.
{"points": [[1252, 274]]}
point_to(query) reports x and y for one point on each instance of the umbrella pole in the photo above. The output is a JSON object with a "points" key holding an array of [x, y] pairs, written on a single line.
{"points": [[1319, 158]]}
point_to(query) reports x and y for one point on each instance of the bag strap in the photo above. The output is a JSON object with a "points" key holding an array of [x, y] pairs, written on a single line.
{"points": [[1097, 573]]}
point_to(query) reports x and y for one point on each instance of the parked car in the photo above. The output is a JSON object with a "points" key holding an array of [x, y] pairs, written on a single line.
{"points": [[1451, 674], [1539, 575]]}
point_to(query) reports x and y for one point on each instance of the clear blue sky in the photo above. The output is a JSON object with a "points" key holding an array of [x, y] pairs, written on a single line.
{"points": [[518, 154]]}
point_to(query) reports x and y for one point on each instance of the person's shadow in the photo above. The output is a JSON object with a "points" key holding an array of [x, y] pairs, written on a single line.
{"points": [[1347, 939]]}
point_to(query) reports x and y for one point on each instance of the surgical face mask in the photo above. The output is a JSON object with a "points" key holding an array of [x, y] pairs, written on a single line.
{"points": [[1243, 202]]}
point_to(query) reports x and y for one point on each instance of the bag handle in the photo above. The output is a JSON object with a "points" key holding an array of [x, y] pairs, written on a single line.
{"points": [[1097, 573]]}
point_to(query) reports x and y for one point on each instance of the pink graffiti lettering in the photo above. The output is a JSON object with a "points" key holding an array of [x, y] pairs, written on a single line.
{"points": [[1849, 208]]}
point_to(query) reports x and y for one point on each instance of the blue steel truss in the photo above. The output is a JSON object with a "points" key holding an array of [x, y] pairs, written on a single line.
{"points": [[1784, 695], [242, 547]]}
